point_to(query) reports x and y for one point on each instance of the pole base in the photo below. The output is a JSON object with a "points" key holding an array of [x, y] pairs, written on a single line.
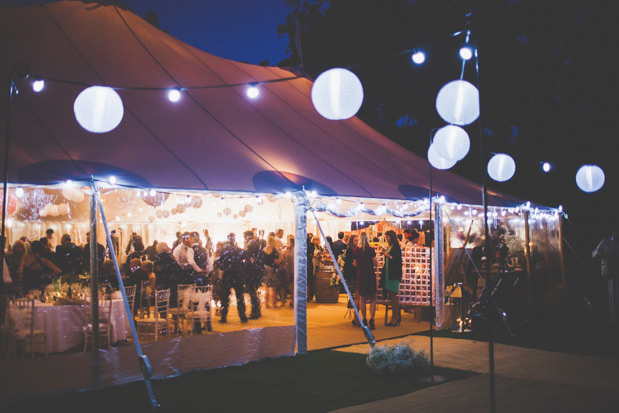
{"points": [[432, 379]]}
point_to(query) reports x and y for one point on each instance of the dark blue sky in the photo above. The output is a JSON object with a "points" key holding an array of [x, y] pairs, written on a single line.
{"points": [[234, 29]]}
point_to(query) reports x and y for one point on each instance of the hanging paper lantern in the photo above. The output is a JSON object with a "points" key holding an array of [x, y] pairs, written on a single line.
{"points": [[53, 210], [180, 208], [159, 213], [501, 167], [166, 213], [242, 213], [151, 218], [235, 216], [173, 211], [337, 94], [248, 208], [11, 202], [98, 109], [437, 161], [227, 211], [590, 178], [196, 202], [458, 102], [155, 199], [219, 215], [63, 209], [452, 142]]}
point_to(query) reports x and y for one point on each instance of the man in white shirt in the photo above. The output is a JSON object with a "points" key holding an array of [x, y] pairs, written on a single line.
{"points": [[184, 255]]}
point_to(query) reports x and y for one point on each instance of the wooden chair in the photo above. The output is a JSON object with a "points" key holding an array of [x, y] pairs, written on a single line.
{"points": [[158, 320], [22, 314], [201, 308], [105, 326], [130, 293], [6, 327], [184, 306]]}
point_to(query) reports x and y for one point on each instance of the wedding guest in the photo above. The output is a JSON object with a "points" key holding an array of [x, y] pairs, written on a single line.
{"points": [[230, 261], [184, 255], [608, 251], [350, 273], [253, 272], [15, 262], [365, 261], [151, 287], [37, 270], [286, 268], [86, 254], [339, 246], [167, 269], [151, 251], [270, 259], [69, 255], [392, 275]]}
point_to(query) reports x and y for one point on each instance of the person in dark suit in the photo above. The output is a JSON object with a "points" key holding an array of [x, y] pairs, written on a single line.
{"points": [[86, 255], [339, 246], [69, 255]]}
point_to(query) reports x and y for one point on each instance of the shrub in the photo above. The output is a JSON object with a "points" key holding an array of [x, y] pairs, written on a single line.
{"points": [[400, 358]]}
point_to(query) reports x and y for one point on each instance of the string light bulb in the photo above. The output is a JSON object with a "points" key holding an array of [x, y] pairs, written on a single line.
{"points": [[466, 53], [38, 85], [174, 95], [546, 167], [253, 91], [418, 57]]}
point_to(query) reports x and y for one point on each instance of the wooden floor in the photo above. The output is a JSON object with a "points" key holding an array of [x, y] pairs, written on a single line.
{"points": [[328, 325]]}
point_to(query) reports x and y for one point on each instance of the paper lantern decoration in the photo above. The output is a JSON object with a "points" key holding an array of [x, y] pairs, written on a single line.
{"points": [[337, 94], [437, 161], [73, 194], [11, 203], [173, 211], [166, 213], [248, 208], [501, 167], [452, 142], [180, 208], [63, 209], [235, 216], [159, 213], [98, 109], [227, 211], [590, 178], [196, 202], [151, 218], [53, 210], [155, 199], [458, 102], [219, 215]]}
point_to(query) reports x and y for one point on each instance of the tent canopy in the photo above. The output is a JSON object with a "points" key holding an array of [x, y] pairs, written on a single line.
{"points": [[215, 138]]}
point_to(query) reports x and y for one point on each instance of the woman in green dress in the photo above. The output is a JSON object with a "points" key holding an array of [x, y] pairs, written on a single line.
{"points": [[393, 275]]}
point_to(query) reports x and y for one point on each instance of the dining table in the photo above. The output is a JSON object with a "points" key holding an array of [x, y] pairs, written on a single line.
{"points": [[64, 324]]}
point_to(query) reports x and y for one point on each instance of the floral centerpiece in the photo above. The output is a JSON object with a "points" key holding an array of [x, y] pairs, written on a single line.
{"points": [[335, 281], [400, 358]]}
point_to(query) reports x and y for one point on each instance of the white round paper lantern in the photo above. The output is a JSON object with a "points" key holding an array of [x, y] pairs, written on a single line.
{"points": [[337, 94], [501, 167], [452, 142], [98, 109], [458, 102], [590, 178], [438, 161], [53, 210]]}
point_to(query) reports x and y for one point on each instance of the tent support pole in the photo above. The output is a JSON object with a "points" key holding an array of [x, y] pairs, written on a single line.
{"points": [[23, 71], [94, 267], [527, 254], [145, 366], [300, 272], [368, 334]]}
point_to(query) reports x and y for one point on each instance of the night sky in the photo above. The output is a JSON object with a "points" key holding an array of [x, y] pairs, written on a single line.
{"points": [[547, 79]]}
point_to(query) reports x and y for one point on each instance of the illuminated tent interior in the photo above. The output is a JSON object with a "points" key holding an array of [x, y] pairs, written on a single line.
{"points": [[220, 159]]}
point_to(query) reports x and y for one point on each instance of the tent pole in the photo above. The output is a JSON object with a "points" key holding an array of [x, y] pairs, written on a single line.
{"points": [[300, 272], [23, 71], [368, 334], [94, 267], [145, 366]]}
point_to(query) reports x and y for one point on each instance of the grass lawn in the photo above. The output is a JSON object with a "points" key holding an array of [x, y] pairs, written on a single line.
{"points": [[320, 381]]}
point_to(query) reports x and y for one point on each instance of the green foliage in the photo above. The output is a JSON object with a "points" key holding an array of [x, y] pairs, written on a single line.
{"points": [[400, 358]]}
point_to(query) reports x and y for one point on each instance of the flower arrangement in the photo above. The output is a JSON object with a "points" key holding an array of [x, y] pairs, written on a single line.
{"points": [[335, 281], [341, 260], [400, 358]]}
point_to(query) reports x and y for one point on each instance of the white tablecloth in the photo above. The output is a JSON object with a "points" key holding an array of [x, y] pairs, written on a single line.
{"points": [[63, 324]]}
